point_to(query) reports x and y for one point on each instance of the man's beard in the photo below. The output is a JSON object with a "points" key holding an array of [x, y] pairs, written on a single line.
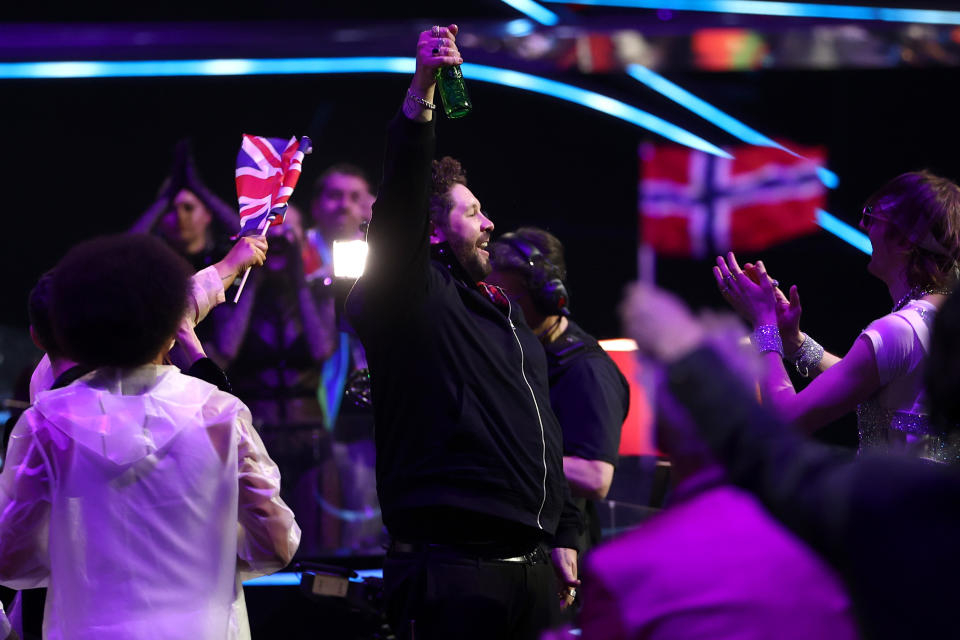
{"points": [[469, 258]]}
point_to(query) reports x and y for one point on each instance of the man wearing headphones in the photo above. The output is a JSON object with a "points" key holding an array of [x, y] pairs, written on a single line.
{"points": [[588, 393]]}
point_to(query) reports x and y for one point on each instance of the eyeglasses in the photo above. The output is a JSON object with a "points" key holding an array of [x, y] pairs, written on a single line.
{"points": [[867, 216]]}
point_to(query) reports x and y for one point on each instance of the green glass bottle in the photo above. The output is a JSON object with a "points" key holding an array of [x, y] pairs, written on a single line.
{"points": [[453, 92]]}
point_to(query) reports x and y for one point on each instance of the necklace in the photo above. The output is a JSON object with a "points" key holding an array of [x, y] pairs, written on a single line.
{"points": [[918, 292]]}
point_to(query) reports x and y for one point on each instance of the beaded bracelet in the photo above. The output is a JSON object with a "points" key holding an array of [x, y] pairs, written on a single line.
{"points": [[426, 104], [766, 338], [807, 356]]}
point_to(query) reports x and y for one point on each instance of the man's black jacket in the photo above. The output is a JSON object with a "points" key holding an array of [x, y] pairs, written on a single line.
{"points": [[459, 389]]}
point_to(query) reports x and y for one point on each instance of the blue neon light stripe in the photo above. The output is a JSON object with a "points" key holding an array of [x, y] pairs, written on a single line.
{"points": [[699, 106], [715, 116], [536, 11], [829, 179], [288, 579], [369, 573], [519, 27], [275, 580], [599, 102], [270, 66], [506, 77], [844, 231], [223, 67], [786, 9]]}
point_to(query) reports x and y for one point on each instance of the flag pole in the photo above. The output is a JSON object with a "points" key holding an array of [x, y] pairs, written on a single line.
{"points": [[269, 219]]}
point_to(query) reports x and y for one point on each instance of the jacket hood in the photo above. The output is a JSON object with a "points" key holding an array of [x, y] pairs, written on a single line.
{"points": [[125, 415]]}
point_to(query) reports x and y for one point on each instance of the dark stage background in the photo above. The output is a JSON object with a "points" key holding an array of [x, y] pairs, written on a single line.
{"points": [[86, 157]]}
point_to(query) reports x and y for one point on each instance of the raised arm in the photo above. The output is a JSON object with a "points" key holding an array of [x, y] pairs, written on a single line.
{"points": [[800, 349], [399, 231], [836, 391], [207, 291]]}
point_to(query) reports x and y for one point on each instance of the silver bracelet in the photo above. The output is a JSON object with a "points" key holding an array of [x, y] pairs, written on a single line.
{"points": [[807, 357], [421, 101], [766, 338]]}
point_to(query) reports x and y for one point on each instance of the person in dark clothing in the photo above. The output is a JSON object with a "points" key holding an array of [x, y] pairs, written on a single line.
{"points": [[887, 523], [197, 224], [189, 216], [469, 454], [273, 344], [588, 393]]}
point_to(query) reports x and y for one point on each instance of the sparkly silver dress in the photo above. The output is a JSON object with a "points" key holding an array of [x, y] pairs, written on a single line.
{"points": [[895, 419], [911, 433]]}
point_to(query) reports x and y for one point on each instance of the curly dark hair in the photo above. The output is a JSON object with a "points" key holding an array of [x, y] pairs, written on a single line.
{"points": [[445, 173], [925, 209], [117, 300], [38, 310]]}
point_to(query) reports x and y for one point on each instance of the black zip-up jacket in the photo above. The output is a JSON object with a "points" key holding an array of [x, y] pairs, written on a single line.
{"points": [[459, 388]]}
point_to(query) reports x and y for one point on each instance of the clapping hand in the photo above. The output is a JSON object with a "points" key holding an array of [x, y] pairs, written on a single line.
{"points": [[752, 297], [788, 309]]}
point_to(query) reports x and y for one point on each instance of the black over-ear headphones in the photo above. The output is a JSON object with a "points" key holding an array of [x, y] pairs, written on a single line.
{"points": [[547, 291]]}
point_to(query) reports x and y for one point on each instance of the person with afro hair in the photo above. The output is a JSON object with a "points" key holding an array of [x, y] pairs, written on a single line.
{"points": [[140, 496]]}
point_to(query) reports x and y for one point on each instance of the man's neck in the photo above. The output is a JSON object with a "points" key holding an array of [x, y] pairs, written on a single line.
{"points": [[549, 328]]}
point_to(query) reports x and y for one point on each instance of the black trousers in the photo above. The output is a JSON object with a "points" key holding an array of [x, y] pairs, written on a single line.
{"points": [[443, 593]]}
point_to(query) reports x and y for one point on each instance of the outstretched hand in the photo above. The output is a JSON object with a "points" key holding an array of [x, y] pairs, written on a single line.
{"points": [[752, 297], [249, 251]]}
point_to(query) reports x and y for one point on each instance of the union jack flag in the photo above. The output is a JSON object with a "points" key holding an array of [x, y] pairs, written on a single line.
{"points": [[267, 172], [693, 204]]}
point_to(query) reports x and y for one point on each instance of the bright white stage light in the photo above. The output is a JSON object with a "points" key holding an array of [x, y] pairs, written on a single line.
{"points": [[349, 258], [618, 344]]}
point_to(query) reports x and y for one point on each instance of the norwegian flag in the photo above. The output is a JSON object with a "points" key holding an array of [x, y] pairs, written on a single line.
{"points": [[693, 204], [267, 172]]}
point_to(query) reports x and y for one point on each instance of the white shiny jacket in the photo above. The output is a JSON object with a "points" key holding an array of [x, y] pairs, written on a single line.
{"points": [[141, 498]]}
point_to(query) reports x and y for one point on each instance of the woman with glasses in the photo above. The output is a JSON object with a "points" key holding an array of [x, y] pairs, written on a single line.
{"points": [[913, 223]]}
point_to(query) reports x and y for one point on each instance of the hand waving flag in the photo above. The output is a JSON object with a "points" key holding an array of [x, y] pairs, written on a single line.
{"points": [[267, 172]]}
